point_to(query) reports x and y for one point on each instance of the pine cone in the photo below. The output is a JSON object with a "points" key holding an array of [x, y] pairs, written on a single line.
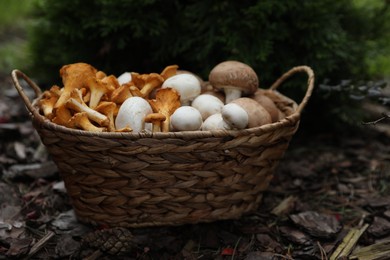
{"points": [[114, 241]]}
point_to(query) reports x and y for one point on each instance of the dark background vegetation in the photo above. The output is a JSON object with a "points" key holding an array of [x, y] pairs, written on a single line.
{"points": [[345, 42]]}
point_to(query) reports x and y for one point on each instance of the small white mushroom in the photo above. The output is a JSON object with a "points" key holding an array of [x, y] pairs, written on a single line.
{"points": [[215, 122], [207, 105], [187, 85], [186, 118], [235, 116], [132, 114], [124, 78]]}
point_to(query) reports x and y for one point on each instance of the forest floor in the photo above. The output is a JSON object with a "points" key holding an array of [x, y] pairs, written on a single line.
{"points": [[329, 199]]}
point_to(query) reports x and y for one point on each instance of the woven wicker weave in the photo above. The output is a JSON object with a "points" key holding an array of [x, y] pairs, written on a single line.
{"points": [[154, 179]]}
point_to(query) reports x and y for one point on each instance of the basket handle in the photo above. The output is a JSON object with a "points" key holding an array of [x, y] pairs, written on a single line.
{"points": [[15, 78], [310, 83]]}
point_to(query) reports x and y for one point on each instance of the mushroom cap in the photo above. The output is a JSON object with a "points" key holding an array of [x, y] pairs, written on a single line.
{"points": [[125, 77], [132, 114], [235, 116], [215, 122], [257, 114], [186, 118], [187, 85], [207, 105], [261, 97], [234, 74]]}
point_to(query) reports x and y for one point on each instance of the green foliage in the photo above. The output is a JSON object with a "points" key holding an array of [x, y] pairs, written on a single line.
{"points": [[338, 39], [13, 47]]}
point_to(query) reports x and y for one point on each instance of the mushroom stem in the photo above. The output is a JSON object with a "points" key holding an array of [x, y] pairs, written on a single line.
{"points": [[231, 94], [156, 119], [76, 103], [80, 120]]}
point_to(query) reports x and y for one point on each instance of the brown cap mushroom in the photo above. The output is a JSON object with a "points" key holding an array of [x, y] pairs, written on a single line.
{"points": [[267, 103], [257, 114], [234, 78]]}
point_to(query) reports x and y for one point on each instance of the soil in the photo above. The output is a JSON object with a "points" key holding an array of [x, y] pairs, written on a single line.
{"points": [[329, 199]]}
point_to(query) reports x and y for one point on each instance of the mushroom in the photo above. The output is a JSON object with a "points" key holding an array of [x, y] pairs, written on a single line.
{"points": [[257, 114], [169, 71], [62, 116], [122, 93], [267, 103], [124, 78], [47, 103], [187, 85], [234, 78], [146, 82], [235, 116], [166, 102], [156, 120], [186, 118], [77, 104], [74, 76], [132, 114], [100, 74], [108, 108], [215, 122], [207, 105], [81, 120], [97, 88]]}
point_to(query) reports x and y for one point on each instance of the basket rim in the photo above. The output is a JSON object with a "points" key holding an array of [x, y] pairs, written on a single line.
{"points": [[289, 120], [199, 134]]}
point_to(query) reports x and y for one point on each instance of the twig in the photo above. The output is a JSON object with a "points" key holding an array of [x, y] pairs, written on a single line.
{"points": [[40, 244], [384, 116], [235, 248], [348, 243]]}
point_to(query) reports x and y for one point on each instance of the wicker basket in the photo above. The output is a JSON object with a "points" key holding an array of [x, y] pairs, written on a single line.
{"points": [[154, 179]]}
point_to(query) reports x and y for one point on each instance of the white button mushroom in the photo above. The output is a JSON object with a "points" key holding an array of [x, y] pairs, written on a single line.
{"points": [[187, 85], [186, 118], [235, 116], [207, 105], [124, 78], [215, 122], [234, 78], [132, 114]]}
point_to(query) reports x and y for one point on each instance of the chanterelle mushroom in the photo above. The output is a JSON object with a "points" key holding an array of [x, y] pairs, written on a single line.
{"points": [[81, 120], [77, 104], [166, 102], [187, 85], [234, 78], [74, 76]]}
